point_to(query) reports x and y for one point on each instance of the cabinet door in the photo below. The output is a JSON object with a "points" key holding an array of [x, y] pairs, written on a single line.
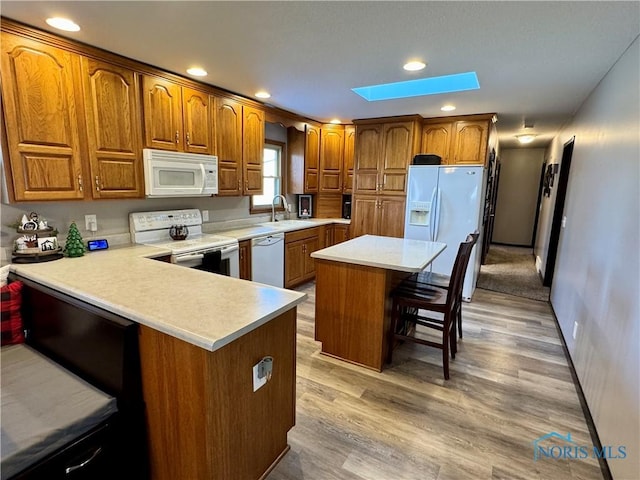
{"points": [[312, 158], [436, 140], [396, 156], [349, 158], [42, 124], [228, 121], [391, 216], [112, 114], [162, 110], [310, 245], [365, 216], [245, 259], [340, 233], [470, 143], [331, 158], [368, 151], [252, 149], [198, 128], [328, 236], [294, 263]]}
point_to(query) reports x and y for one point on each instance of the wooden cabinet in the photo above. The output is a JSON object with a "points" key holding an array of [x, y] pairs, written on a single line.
{"points": [[378, 215], [112, 117], [331, 158], [252, 149], [458, 140], [298, 247], [328, 236], [176, 118], [245, 259], [303, 159], [340, 233], [41, 98], [383, 154], [239, 147], [228, 120], [349, 158]]}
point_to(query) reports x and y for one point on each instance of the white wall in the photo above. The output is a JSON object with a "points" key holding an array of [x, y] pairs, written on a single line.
{"points": [[517, 195], [597, 279]]}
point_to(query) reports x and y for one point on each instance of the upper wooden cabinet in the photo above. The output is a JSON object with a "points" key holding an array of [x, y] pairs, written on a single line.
{"points": [[349, 158], [458, 140], [331, 158], [41, 97], [112, 114], [176, 118], [383, 154], [228, 119], [252, 149], [303, 159]]}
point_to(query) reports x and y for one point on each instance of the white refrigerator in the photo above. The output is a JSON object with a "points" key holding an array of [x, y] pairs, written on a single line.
{"points": [[445, 204]]}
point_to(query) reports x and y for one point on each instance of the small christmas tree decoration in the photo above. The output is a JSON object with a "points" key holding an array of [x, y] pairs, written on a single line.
{"points": [[74, 246]]}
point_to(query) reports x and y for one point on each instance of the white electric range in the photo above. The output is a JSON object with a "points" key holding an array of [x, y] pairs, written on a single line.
{"points": [[214, 253]]}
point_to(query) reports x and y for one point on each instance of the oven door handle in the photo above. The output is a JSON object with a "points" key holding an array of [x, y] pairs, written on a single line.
{"points": [[186, 258]]}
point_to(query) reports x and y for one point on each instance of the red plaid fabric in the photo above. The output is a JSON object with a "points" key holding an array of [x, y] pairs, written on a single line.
{"points": [[12, 331]]}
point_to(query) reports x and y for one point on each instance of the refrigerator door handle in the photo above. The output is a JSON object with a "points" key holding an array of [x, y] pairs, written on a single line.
{"points": [[431, 214], [437, 225]]}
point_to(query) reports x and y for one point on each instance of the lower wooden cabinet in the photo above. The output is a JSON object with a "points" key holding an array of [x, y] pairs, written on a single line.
{"points": [[340, 233], [245, 259], [378, 215], [298, 247]]}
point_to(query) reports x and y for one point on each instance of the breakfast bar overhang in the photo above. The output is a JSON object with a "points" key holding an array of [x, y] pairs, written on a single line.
{"points": [[353, 283]]}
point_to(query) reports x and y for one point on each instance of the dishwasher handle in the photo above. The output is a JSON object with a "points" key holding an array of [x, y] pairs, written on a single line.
{"points": [[268, 240]]}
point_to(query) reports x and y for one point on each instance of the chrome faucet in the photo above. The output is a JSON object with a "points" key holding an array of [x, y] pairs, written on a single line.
{"points": [[273, 208]]}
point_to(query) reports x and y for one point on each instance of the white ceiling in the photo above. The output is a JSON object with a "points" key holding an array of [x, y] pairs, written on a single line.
{"points": [[536, 61]]}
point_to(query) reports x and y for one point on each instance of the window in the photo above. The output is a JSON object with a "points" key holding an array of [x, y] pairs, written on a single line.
{"points": [[271, 177]]}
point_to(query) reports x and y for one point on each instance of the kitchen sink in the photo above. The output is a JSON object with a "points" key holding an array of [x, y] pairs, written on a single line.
{"points": [[289, 224]]}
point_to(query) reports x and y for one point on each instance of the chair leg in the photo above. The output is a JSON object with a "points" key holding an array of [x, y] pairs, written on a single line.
{"points": [[445, 352], [453, 340], [460, 317]]}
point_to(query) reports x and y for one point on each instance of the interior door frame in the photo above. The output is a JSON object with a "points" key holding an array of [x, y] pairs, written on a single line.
{"points": [[558, 211]]}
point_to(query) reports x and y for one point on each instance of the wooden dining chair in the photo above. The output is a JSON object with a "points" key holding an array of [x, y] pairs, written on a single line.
{"points": [[432, 279], [431, 307]]}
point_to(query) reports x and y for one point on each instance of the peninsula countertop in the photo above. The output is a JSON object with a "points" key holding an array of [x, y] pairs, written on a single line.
{"points": [[201, 308], [390, 253]]}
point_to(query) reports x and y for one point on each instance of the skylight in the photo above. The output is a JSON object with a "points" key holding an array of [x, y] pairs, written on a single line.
{"points": [[423, 86]]}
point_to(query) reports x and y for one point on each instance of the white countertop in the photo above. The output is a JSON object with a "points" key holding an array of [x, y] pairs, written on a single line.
{"points": [[268, 228], [202, 308], [383, 252]]}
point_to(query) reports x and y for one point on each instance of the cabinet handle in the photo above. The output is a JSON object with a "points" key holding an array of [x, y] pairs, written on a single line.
{"points": [[239, 184], [304, 248], [80, 182], [188, 140], [177, 137], [97, 183]]}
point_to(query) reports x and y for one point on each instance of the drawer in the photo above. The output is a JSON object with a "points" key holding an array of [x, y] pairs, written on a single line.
{"points": [[301, 234]]}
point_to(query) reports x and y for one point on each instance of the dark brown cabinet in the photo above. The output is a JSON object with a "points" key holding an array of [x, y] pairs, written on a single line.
{"points": [[303, 159], [331, 158], [299, 245]]}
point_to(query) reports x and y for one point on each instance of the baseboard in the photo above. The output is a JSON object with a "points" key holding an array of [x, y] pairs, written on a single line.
{"points": [[604, 466]]}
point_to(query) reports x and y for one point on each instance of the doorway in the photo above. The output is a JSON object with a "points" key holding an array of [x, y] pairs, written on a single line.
{"points": [[558, 211]]}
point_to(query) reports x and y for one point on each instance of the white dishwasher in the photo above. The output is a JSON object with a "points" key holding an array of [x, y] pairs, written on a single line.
{"points": [[267, 259]]}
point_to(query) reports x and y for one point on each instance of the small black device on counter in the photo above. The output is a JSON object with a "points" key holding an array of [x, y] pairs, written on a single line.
{"points": [[101, 244], [427, 159]]}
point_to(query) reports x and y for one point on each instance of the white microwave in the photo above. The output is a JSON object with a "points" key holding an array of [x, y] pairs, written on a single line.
{"points": [[176, 174]]}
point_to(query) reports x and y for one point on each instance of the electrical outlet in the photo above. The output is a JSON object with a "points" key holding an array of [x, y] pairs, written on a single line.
{"points": [[205, 215], [91, 222], [575, 329]]}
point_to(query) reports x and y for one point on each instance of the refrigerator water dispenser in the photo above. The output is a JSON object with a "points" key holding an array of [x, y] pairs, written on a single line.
{"points": [[419, 213]]}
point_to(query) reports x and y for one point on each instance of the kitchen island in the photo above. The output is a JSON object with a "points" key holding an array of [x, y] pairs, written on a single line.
{"points": [[200, 335], [353, 283]]}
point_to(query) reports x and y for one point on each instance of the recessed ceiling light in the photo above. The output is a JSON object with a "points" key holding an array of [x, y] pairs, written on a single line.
{"points": [[424, 86], [448, 108], [197, 72], [527, 138], [263, 94], [414, 66], [336, 121], [63, 24]]}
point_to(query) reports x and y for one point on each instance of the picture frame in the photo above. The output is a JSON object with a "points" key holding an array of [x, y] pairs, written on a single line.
{"points": [[305, 206]]}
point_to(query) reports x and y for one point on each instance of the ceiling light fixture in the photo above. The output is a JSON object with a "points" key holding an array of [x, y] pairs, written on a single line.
{"points": [[336, 121], [414, 66], [263, 94], [526, 138], [63, 24], [197, 72], [448, 108]]}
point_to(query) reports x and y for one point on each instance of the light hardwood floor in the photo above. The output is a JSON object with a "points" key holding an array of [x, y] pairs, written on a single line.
{"points": [[510, 384]]}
